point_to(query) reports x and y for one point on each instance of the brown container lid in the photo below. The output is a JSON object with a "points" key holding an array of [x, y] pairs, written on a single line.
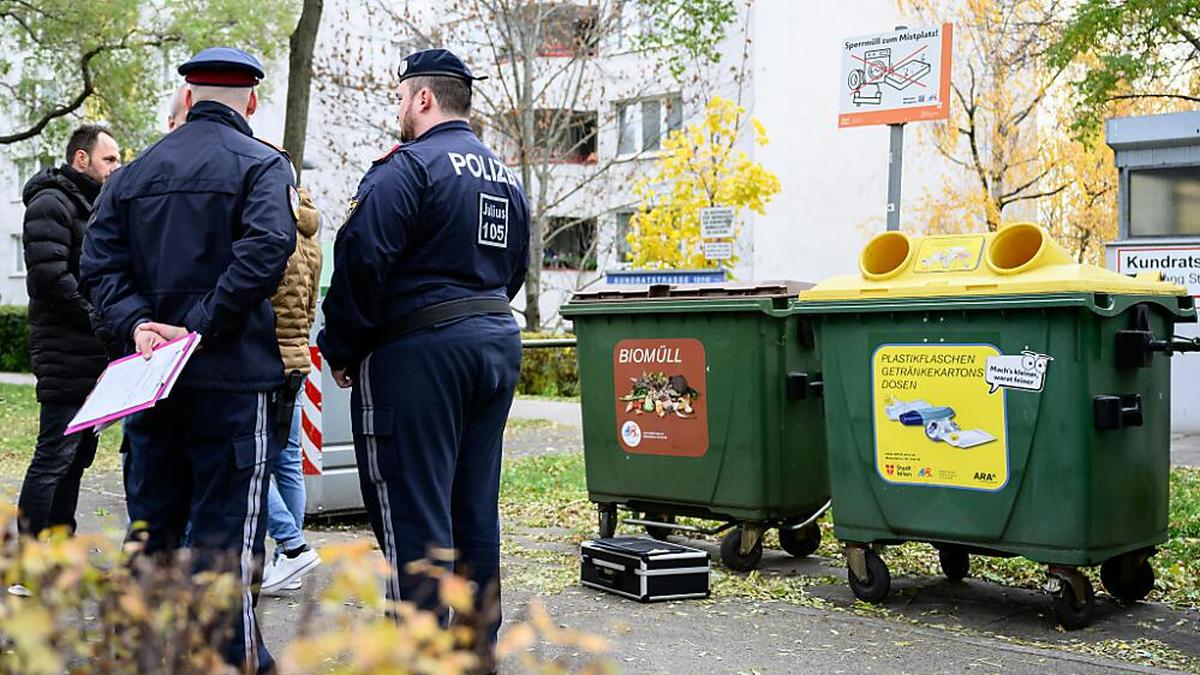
{"points": [[744, 289]]}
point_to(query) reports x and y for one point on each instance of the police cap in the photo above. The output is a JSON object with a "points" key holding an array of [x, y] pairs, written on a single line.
{"points": [[435, 62], [223, 67]]}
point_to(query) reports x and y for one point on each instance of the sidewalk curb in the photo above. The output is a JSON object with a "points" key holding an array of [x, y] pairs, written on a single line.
{"points": [[18, 378]]}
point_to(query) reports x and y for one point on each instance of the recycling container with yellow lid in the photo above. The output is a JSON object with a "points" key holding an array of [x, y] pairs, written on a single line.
{"points": [[702, 401], [986, 394]]}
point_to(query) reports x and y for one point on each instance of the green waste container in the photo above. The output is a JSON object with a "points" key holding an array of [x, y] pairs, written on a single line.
{"points": [[702, 401], [986, 395]]}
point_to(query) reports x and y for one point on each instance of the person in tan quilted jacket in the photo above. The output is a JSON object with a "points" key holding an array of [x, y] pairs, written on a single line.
{"points": [[295, 304]]}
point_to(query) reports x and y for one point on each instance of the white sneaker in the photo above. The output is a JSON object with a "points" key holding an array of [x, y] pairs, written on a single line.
{"points": [[287, 589], [19, 590], [286, 570]]}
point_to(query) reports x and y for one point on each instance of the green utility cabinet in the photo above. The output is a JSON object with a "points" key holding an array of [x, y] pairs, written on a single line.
{"points": [[702, 401], [987, 395]]}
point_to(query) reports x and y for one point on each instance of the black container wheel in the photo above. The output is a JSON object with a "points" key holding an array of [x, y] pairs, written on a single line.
{"points": [[731, 552], [607, 516], [659, 533], [802, 542], [1126, 581], [956, 563], [875, 587], [1073, 612]]}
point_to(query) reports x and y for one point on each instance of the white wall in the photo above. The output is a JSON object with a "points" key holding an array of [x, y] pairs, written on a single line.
{"points": [[1185, 385]]}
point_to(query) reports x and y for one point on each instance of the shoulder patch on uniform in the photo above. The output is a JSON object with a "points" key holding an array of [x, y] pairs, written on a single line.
{"points": [[274, 147], [294, 202], [388, 155], [356, 201]]}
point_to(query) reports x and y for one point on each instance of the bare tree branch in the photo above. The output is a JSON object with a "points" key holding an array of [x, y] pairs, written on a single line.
{"points": [[1035, 195], [1182, 97], [86, 90]]}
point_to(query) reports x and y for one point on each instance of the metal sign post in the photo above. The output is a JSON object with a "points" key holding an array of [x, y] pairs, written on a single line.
{"points": [[895, 172]]}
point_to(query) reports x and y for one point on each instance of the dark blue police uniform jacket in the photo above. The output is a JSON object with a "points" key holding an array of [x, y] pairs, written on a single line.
{"points": [[436, 219], [196, 232]]}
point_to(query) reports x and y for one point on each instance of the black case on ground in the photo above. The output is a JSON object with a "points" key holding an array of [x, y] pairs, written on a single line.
{"points": [[644, 569]]}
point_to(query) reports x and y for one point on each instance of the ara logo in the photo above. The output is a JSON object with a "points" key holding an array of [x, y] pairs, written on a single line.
{"points": [[985, 476], [925, 473]]}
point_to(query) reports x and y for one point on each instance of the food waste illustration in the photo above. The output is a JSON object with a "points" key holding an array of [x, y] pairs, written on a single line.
{"points": [[938, 422], [658, 394]]}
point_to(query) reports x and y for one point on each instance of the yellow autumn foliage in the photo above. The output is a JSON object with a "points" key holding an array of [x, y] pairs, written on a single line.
{"points": [[699, 166]]}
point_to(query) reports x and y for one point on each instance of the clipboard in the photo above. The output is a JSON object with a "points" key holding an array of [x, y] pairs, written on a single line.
{"points": [[133, 383]]}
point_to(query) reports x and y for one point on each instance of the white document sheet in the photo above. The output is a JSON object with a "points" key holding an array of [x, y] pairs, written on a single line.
{"points": [[134, 383]]}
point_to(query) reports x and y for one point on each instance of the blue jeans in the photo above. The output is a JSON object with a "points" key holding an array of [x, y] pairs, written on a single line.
{"points": [[285, 497]]}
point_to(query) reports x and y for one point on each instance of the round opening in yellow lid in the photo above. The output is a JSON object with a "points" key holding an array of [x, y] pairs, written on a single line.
{"points": [[1016, 248], [885, 256]]}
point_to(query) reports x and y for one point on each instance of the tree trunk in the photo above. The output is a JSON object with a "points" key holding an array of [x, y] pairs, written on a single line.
{"points": [[533, 278], [300, 71], [537, 223]]}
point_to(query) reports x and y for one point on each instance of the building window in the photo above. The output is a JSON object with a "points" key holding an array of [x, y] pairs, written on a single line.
{"points": [[22, 170], [643, 124], [1164, 202], [567, 135], [622, 247], [18, 255], [557, 28], [570, 244], [634, 25], [567, 29]]}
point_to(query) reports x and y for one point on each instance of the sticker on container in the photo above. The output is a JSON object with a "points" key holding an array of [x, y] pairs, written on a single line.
{"points": [[949, 254], [660, 397], [1026, 371], [937, 421]]}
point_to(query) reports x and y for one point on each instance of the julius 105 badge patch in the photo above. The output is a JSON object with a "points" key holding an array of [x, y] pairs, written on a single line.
{"points": [[493, 221]]}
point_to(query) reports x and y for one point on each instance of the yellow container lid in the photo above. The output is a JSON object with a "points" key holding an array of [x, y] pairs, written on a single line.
{"points": [[1021, 258]]}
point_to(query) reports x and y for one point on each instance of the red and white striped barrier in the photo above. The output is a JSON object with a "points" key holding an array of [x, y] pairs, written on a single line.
{"points": [[310, 418]]}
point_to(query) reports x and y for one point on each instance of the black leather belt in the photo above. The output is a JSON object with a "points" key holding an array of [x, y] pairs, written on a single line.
{"points": [[435, 314]]}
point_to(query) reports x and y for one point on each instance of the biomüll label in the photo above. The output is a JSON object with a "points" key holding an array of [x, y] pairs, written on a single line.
{"points": [[661, 397]]}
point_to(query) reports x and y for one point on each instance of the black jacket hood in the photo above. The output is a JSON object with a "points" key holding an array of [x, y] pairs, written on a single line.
{"points": [[56, 178]]}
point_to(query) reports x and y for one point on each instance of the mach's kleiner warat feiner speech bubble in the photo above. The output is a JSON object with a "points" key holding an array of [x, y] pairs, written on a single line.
{"points": [[1026, 371]]}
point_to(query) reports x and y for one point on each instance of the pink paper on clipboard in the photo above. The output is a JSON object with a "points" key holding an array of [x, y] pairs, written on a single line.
{"points": [[133, 383]]}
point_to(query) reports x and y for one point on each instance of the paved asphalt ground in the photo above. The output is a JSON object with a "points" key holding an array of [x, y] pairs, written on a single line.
{"points": [[933, 626]]}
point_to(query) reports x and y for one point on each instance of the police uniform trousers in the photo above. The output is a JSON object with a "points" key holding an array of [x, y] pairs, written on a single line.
{"points": [[203, 455], [428, 415]]}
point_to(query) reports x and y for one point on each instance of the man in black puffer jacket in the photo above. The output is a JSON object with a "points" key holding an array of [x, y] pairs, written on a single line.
{"points": [[67, 357]]}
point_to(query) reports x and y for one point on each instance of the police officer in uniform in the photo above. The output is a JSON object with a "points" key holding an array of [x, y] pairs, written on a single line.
{"points": [[417, 319], [194, 235]]}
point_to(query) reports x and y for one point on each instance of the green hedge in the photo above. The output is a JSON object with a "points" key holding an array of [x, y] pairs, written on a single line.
{"points": [[14, 339], [548, 372], [544, 372]]}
